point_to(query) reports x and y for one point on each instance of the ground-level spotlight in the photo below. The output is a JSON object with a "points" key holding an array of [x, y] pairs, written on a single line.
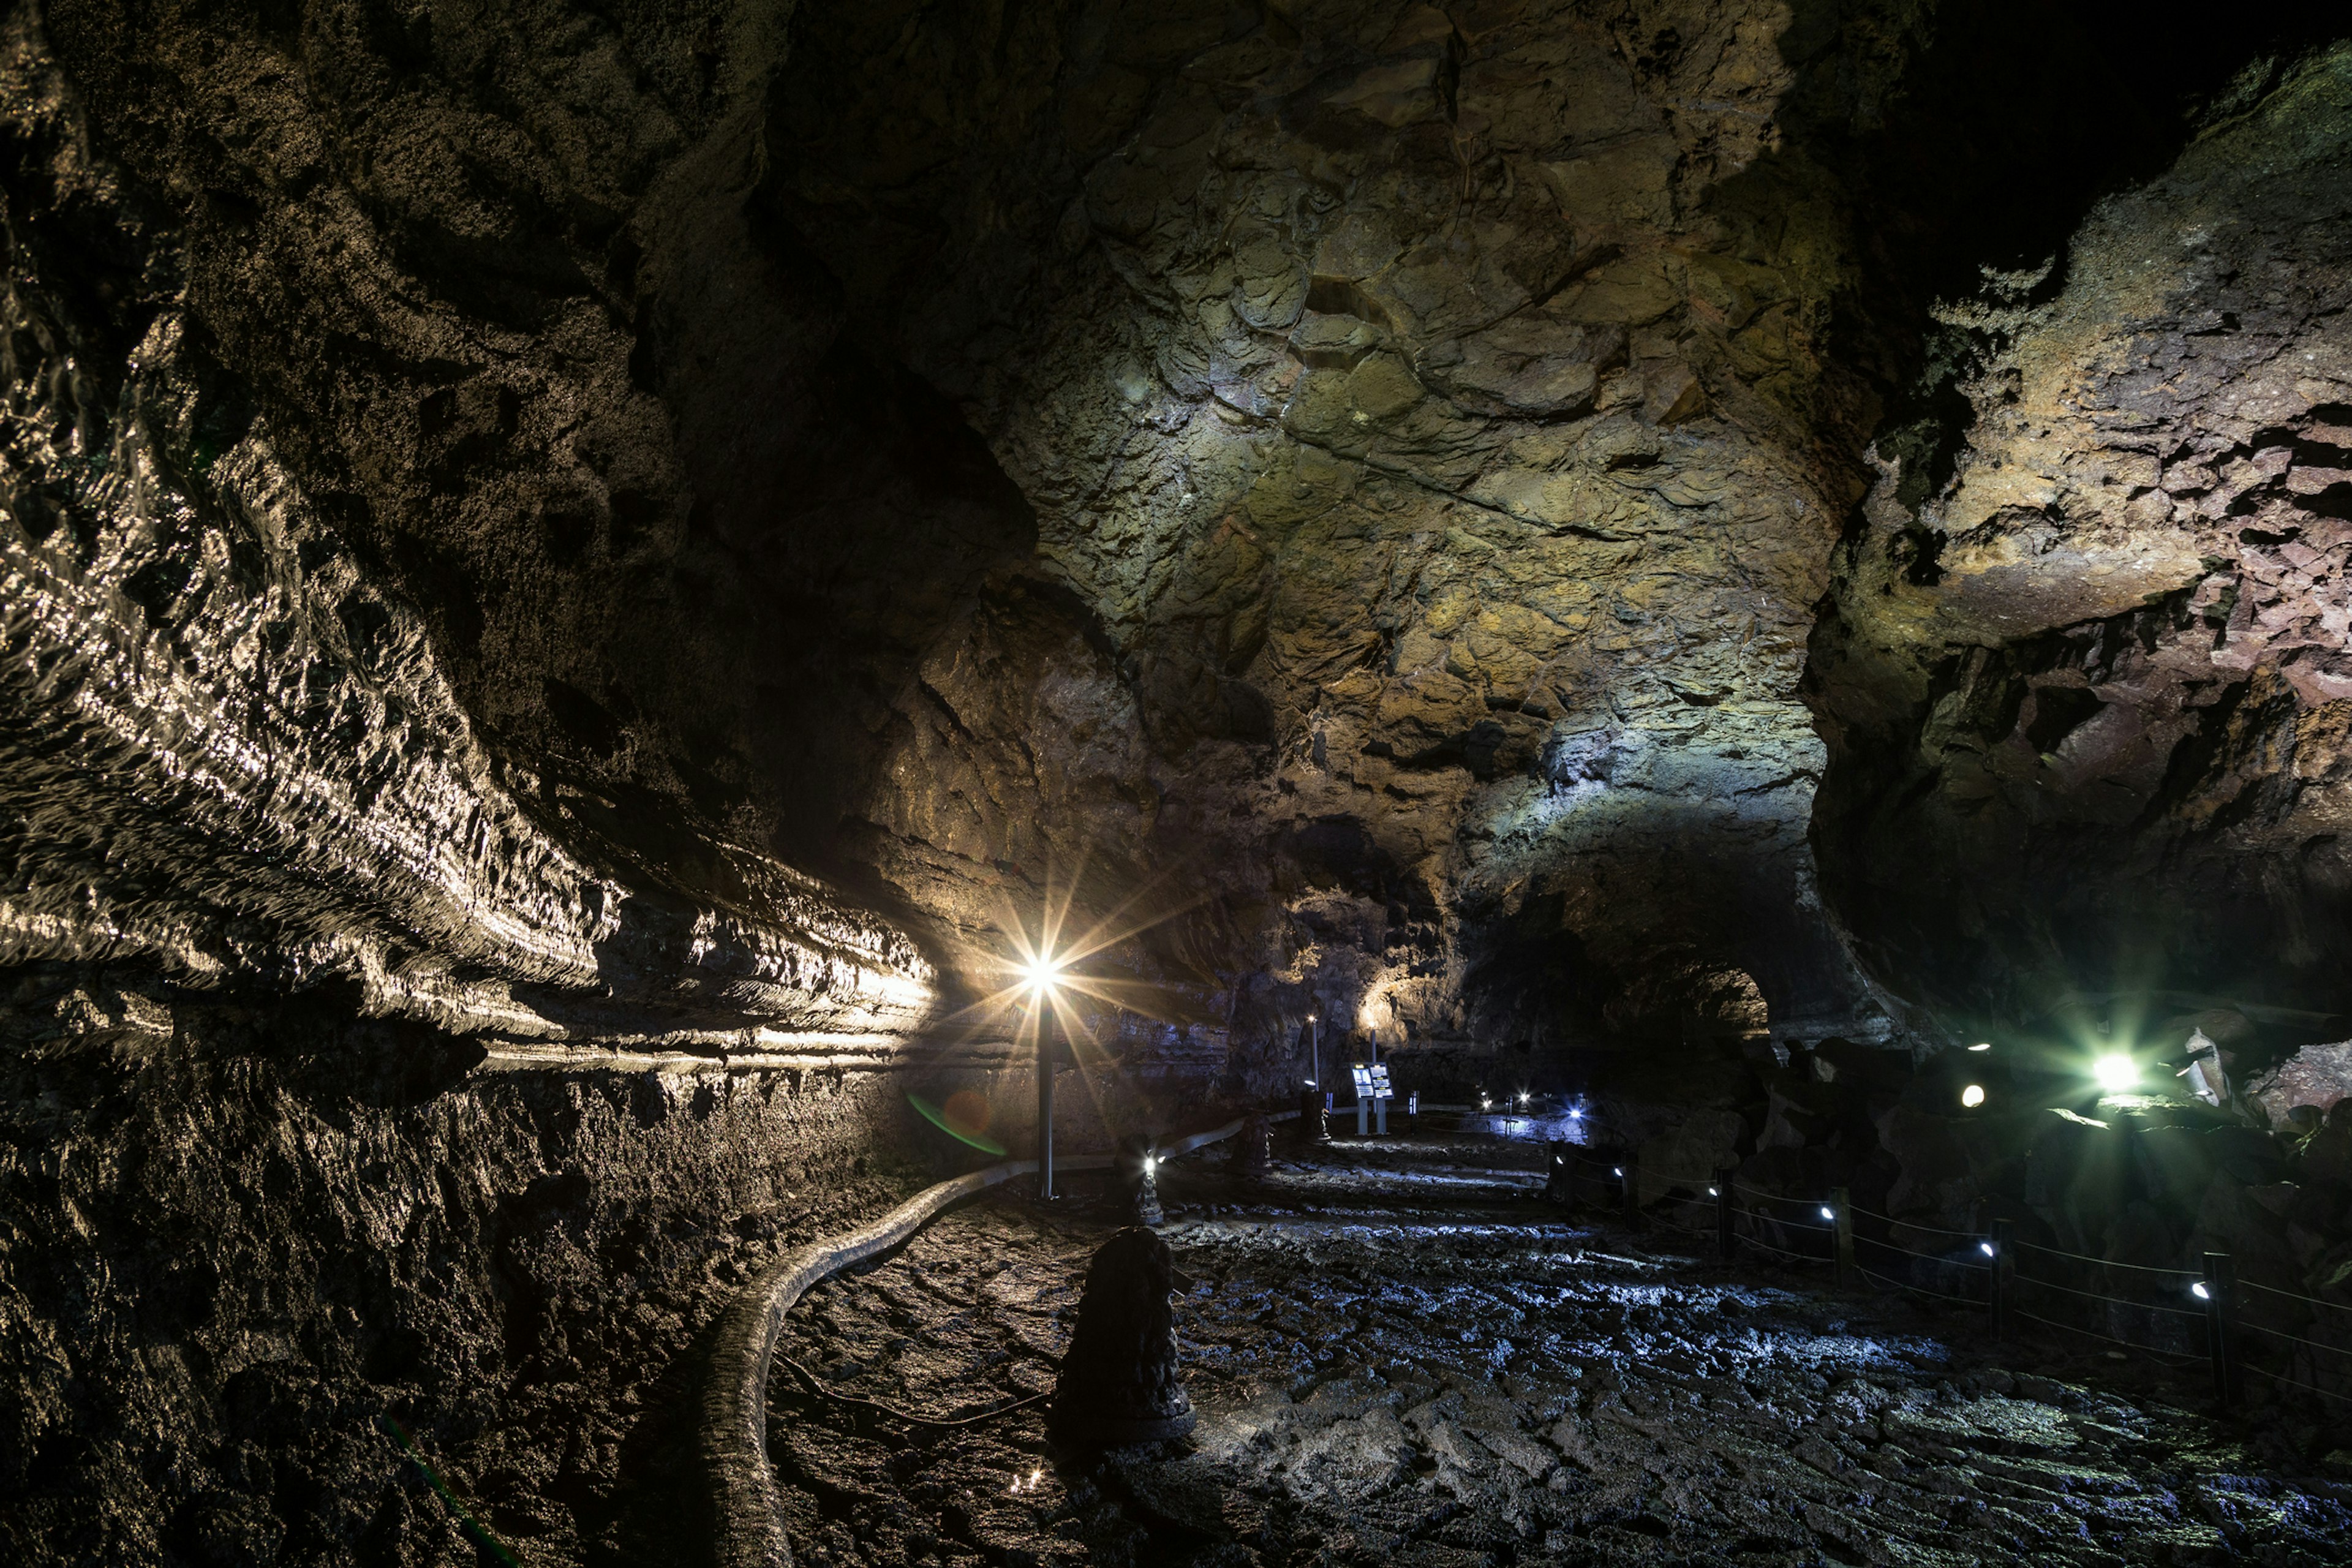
{"points": [[1828, 1213], [1713, 1193], [1523, 1097], [1972, 1096], [1985, 1247], [1621, 1170], [2200, 1291], [2116, 1072]]}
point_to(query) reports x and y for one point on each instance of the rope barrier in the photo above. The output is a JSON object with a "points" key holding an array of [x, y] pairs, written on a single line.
{"points": [[1755, 1218], [2112, 1300], [2165, 1356], [1752, 1239], [1759, 1215], [2296, 1296], [1860, 1241], [2105, 1263], [1922, 1289], [2298, 1339], [1686, 1229], [2298, 1382], [1909, 1225]]}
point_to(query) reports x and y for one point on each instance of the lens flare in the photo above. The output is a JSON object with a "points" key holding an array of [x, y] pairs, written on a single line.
{"points": [[2116, 1072], [947, 1118]]}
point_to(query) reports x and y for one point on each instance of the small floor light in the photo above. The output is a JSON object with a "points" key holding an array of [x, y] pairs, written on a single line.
{"points": [[1972, 1096]]}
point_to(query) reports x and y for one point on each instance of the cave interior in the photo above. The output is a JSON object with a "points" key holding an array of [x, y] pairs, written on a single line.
{"points": [[728, 731]]}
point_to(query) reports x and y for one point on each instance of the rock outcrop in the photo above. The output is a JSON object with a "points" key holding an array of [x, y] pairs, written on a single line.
{"points": [[2086, 698]]}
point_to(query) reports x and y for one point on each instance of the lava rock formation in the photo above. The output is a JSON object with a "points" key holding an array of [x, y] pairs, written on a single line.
{"points": [[576, 580]]}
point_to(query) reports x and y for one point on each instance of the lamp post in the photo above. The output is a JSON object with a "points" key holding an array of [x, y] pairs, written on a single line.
{"points": [[1313, 1052], [1043, 975]]}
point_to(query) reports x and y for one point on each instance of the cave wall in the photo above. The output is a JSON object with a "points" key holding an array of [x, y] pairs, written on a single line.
{"points": [[234, 1240], [2083, 679], [1424, 407], [564, 573]]}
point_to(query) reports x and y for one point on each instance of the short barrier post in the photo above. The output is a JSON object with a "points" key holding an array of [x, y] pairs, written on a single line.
{"points": [[1725, 1241], [2219, 1286], [1841, 1218], [2004, 1276]]}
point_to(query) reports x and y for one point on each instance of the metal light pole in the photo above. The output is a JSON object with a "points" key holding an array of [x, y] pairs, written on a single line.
{"points": [[1313, 1052], [1046, 1106], [1043, 974]]}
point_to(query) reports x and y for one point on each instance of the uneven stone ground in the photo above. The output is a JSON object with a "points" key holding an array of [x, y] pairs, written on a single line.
{"points": [[1423, 1364]]}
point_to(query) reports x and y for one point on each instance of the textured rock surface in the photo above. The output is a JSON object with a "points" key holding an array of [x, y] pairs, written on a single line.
{"points": [[639, 528], [232, 746], [1615, 1405], [1419, 404], [231, 1242], [2087, 697]]}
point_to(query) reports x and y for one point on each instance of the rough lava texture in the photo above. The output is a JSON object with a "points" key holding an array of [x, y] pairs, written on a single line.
{"points": [[1621, 1402], [233, 1243], [563, 570], [2088, 685], [1422, 405]]}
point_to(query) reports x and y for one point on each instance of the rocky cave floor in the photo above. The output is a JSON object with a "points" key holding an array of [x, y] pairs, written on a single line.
{"points": [[1401, 1354]]}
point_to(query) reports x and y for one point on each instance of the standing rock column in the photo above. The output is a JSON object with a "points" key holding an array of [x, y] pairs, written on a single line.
{"points": [[1119, 1381]]}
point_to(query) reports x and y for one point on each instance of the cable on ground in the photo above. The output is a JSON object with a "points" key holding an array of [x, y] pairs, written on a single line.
{"points": [[809, 1381]]}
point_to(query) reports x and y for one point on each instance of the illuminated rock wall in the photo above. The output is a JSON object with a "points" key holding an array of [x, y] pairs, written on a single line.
{"points": [[2087, 677]]}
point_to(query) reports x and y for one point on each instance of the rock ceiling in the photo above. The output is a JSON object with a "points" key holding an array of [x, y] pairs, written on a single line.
{"points": [[488, 518]]}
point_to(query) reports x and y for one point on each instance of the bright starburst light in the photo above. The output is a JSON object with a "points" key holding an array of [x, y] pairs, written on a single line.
{"points": [[2116, 1072], [1047, 961]]}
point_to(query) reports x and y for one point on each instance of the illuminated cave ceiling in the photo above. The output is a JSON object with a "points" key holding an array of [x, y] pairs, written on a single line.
{"points": [[1363, 475]]}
